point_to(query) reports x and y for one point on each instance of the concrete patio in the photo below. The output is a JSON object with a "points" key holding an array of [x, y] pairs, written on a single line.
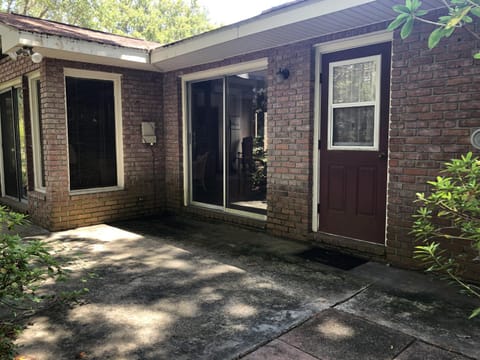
{"points": [[176, 288]]}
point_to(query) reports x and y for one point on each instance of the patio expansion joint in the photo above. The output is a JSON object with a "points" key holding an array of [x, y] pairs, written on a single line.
{"points": [[418, 340], [300, 323], [277, 338], [348, 298], [298, 348], [413, 341]]}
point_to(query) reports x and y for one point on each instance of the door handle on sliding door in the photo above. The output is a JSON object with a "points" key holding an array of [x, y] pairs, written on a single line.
{"points": [[382, 155]]}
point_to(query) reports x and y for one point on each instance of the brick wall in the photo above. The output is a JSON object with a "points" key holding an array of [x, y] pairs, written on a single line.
{"points": [[435, 107], [142, 194], [290, 137]]}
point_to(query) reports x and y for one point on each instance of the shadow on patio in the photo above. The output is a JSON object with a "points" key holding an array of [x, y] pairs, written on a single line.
{"points": [[215, 295]]}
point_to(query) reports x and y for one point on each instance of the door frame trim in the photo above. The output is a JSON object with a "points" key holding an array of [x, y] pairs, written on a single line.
{"points": [[321, 49]]}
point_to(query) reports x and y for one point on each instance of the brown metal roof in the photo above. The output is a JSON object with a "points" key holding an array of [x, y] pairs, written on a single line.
{"points": [[47, 27]]}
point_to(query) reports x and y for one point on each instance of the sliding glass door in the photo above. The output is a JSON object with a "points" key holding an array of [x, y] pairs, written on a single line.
{"points": [[228, 153], [13, 144]]}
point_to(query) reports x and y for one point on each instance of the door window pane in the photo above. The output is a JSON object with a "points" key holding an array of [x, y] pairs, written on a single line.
{"points": [[353, 126], [353, 115], [354, 82], [206, 111], [91, 133]]}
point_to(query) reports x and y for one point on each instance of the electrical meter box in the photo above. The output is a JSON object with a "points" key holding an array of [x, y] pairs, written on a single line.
{"points": [[148, 133]]}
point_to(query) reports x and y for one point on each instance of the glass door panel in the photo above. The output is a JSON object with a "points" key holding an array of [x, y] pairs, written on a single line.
{"points": [[13, 144], [21, 145], [8, 145], [206, 112], [246, 150]]}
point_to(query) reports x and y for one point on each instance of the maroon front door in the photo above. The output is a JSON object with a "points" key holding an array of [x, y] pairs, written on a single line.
{"points": [[353, 142]]}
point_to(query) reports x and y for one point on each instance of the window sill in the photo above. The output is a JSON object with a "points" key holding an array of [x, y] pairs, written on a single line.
{"points": [[37, 194], [96, 190]]}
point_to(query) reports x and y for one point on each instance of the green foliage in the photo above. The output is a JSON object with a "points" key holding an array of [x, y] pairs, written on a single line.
{"points": [[461, 13], [24, 266], [451, 212], [162, 21], [259, 168]]}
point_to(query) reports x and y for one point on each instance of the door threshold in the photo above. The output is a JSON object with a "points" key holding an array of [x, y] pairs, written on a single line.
{"points": [[347, 238]]}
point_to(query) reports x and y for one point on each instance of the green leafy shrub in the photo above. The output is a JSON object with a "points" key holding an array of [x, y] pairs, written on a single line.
{"points": [[461, 14], [450, 213], [24, 266]]}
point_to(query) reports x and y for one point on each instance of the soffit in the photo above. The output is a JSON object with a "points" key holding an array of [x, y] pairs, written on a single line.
{"points": [[250, 36]]}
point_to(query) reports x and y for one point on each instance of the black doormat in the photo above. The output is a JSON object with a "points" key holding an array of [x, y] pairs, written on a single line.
{"points": [[332, 258]]}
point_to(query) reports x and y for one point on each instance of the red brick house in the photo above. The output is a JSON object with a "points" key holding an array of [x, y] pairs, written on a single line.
{"points": [[309, 120]]}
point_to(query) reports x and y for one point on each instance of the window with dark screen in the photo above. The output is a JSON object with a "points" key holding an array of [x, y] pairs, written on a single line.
{"points": [[91, 133]]}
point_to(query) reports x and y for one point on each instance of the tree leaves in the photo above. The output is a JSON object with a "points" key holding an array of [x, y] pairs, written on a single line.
{"points": [[451, 212], [475, 312], [458, 16], [435, 37], [407, 28], [162, 21]]}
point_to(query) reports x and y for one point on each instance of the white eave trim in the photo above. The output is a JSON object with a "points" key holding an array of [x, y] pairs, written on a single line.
{"points": [[277, 19], [13, 39], [247, 66], [354, 42]]}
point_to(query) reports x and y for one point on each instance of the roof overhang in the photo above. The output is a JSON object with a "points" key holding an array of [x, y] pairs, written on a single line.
{"points": [[59, 47], [292, 23], [287, 24]]}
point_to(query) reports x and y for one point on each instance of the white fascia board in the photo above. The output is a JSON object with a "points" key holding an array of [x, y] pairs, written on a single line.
{"points": [[9, 38], [83, 47], [13, 39], [250, 27]]}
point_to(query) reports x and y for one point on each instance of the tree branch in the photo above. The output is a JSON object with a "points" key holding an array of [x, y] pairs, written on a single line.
{"points": [[447, 4], [25, 7], [475, 35]]}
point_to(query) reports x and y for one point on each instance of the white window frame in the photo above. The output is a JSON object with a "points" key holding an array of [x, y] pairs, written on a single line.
{"points": [[219, 72], [117, 98], [377, 59], [35, 121]]}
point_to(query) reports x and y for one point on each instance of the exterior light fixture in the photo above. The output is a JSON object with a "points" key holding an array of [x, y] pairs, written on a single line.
{"points": [[37, 57], [24, 52], [283, 74]]}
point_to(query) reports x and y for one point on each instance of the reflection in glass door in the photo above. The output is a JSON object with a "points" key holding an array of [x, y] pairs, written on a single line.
{"points": [[13, 144], [228, 121], [206, 111], [247, 151]]}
